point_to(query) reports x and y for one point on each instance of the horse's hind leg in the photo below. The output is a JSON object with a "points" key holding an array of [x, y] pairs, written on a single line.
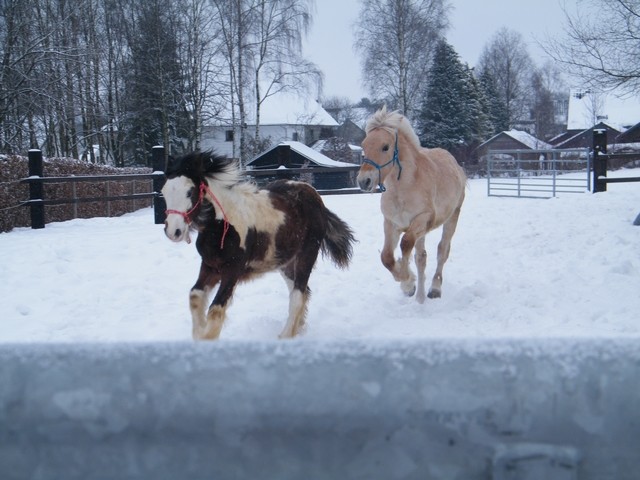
{"points": [[421, 264], [448, 229], [297, 313], [296, 274]]}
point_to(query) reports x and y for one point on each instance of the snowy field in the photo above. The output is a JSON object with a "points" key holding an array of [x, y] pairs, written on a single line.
{"points": [[563, 267]]}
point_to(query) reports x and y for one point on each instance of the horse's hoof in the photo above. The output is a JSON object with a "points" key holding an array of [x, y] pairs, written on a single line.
{"points": [[434, 293], [408, 290]]}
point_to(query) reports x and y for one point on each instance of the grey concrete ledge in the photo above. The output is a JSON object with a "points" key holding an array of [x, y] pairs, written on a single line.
{"points": [[508, 409]]}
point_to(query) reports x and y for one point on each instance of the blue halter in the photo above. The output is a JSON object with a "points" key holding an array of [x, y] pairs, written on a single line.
{"points": [[395, 160]]}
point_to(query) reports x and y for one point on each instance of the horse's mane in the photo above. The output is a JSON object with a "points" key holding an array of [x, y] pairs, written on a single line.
{"points": [[392, 122], [200, 165]]}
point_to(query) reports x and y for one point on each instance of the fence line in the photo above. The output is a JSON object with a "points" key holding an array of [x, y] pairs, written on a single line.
{"points": [[37, 180], [536, 173], [600, 159]]}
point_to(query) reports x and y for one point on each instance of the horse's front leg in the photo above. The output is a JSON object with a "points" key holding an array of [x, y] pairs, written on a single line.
{"points": [[218, 310], [388, 258], [399, 268], [198, 296], [414, 237]]}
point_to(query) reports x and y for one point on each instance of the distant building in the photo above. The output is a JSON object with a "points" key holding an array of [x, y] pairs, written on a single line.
{"points": [[291, 155], [283, 117], [584, 138], [512, 140]]}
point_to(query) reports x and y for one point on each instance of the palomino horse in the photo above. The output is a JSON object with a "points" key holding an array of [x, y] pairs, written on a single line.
{"points": [[422, 189], [244, 231]]}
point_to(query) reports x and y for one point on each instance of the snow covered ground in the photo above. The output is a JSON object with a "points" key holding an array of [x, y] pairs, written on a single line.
{"points": [[563, 267]]}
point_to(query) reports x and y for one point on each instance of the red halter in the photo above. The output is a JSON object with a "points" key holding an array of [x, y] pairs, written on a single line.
{"points": [[187, 215]]}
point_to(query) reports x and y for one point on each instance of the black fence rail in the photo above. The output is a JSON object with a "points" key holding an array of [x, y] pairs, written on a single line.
{"points": [[36, 181], [336, 181]]}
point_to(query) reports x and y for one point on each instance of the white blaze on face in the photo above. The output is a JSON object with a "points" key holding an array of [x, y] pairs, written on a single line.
{"points": [[177, 194]]}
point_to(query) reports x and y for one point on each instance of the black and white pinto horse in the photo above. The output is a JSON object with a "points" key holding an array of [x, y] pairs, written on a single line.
{"points": [[244, 231]]}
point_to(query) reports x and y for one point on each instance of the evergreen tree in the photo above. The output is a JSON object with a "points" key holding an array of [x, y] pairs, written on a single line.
{"points": [[481, 126], [494, 105], [506, 57], [155, 93], [397, 40], [445, 119]]}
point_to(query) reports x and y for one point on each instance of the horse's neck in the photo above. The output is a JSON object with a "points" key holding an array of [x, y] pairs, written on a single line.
{"points": [[231, 198], [407, 156]]}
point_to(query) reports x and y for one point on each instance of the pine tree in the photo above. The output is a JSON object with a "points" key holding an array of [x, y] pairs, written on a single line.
{"points": [[155, 91], [480, 124], [445, 117], [495, 106]]}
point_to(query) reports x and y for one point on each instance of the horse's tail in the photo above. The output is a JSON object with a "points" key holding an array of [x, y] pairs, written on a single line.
{"points": [[338, 240]]}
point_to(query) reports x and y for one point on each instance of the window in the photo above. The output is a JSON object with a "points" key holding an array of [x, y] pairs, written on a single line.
{"points": [[228, 136], [295, 136]]}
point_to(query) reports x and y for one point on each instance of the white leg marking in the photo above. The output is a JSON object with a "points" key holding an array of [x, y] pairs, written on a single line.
{"points": [[214, 322], [297, 312], [197, 302]]}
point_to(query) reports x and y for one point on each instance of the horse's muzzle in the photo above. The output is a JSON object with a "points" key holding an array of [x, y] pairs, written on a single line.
{"points": [[177, 234], [366, 183]]}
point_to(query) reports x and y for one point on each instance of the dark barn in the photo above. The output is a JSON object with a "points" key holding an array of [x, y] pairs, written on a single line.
{"points": [[286, 157]]}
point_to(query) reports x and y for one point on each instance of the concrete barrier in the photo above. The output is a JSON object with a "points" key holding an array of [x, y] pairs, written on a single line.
{"points": [[545, 409]]}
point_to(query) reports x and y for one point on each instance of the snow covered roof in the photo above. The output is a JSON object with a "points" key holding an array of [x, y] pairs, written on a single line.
{"points": [[526, 139], [292, 109], [284, 109], [315, 156], [307, 152]]}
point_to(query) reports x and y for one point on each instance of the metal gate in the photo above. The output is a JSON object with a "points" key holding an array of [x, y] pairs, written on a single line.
{"points": [[538, 173]]}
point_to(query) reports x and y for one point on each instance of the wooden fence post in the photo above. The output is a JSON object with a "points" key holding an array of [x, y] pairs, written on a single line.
{"points": [[36, 189], [158, 165], [599, 160]]}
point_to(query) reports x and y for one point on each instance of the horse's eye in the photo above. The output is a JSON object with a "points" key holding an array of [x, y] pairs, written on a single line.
{"points": [[385, 148], [189, 192]]}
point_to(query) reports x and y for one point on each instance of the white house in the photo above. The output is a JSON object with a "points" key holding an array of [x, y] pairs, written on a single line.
{"points": [[283, 117]]}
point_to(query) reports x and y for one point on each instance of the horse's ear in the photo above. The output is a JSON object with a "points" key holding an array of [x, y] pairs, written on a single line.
{"points": [[172, 164], [201, 163]]}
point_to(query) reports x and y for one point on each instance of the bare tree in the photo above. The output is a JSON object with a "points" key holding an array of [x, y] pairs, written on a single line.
{"points": [[505, 57], [593, 105], [276, 51], [233, 20], [547, 88], [340, 108], [600, 46], [19, 47], [203, 70], [397, 40], [261, 44]]}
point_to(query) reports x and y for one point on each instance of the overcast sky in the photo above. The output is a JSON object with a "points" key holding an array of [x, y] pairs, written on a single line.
{"points": [[473, 23]]}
